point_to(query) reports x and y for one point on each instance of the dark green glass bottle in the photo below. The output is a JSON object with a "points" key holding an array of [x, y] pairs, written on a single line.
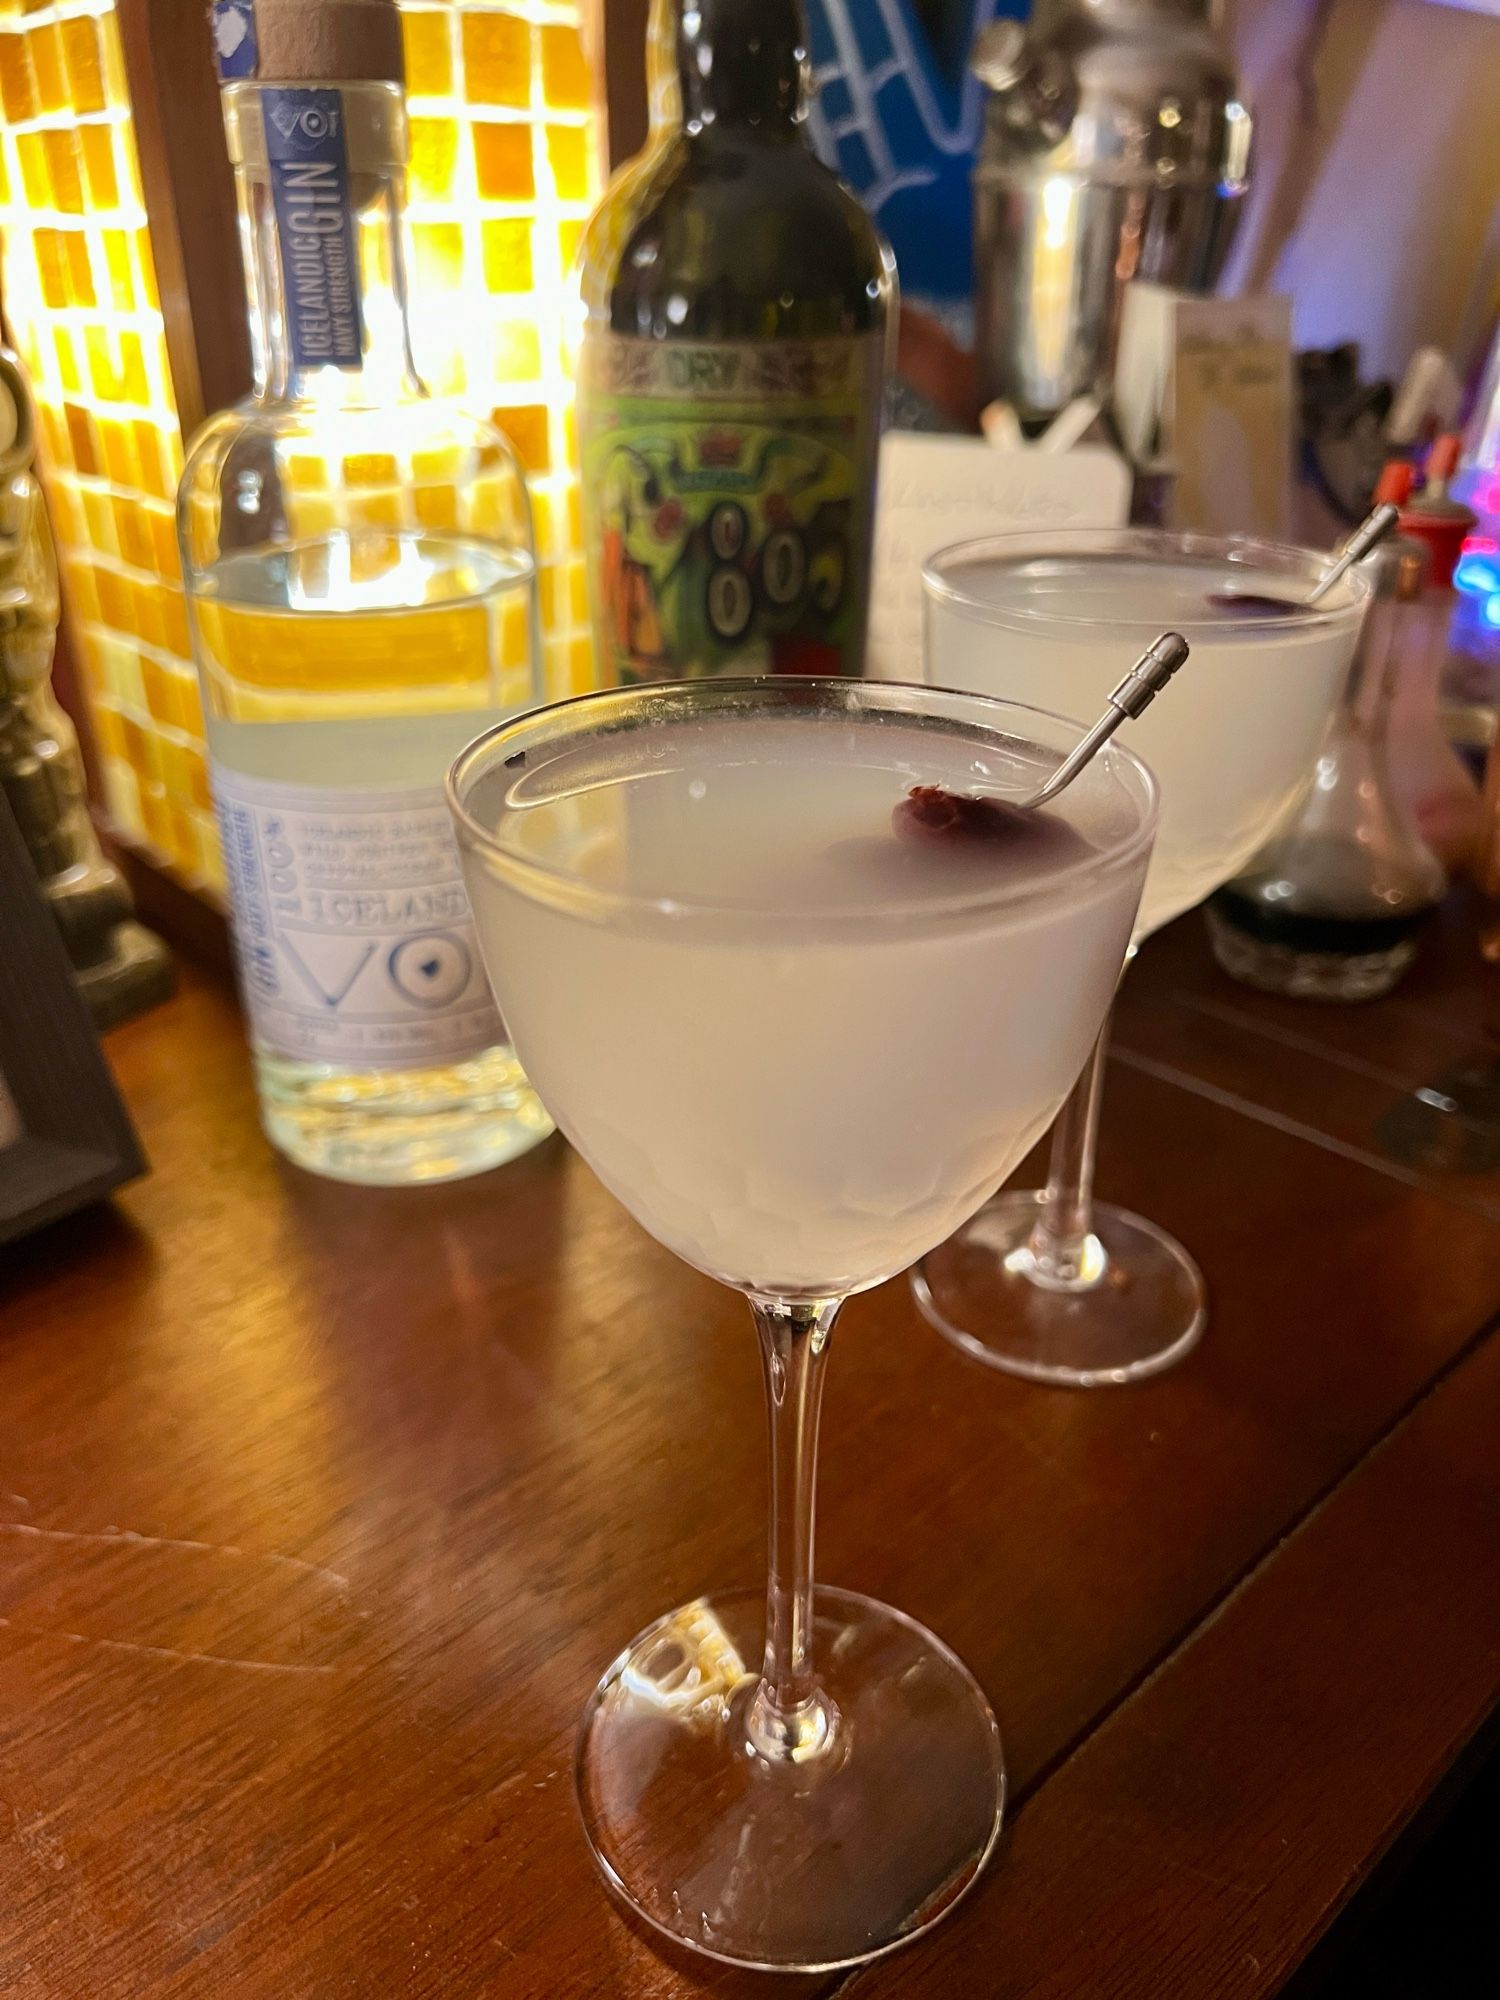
{"points": [[738, 302]]}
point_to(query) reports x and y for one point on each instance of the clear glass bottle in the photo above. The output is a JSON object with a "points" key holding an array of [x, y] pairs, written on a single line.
{"points": [[361, 580], [1330, 908]]}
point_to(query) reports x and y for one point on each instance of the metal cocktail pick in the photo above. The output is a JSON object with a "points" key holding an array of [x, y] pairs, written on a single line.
{"points": [[1131, 698], [1374, 528]]}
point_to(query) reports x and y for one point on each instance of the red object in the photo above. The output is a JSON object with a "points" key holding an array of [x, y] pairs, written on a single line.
{"points": [[796, 653], [1441, 523], [1395, 484], [1442, 460]]}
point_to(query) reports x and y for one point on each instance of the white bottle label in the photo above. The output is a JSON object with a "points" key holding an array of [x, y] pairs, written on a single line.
{"points": [[351, 925]]}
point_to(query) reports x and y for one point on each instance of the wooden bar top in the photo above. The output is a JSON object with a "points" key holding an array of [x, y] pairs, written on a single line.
{"points": [[321, 1509]]}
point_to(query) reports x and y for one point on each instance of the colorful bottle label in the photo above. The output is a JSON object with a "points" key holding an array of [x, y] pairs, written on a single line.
{"points": [[730, 494], [351, 926], [315, 225]]}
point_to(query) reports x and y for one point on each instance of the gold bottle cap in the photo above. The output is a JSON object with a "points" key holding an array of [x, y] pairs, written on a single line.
{"points": [[308, 41]]}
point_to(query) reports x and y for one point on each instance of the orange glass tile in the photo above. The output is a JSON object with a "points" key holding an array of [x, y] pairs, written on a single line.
{"points": [[147, 618], [547, 595], [435, 506], [160, 698], [133, 527], [52, 266], [65, 170], [578, 593], [434, 155], [116, 599], [45, 48], [438, 250], [80, 46], [98, 146], [140, 748], [580, 663], [83, 592], [526, 425], [565, 74], [107, 732], [83, 440], [568, 153], [55, 431], [175, 620], [118, 263], [165, 557], [32, 153], [370, 468], [497, 59], [18, 91], [148, 453], [376, 510], [80, 271], [156, 814], [429, 54], [507, 256], [116, 90], [502, 162]]}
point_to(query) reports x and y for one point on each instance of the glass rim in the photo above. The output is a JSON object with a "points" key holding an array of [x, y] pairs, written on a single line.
{"points": [[908, 698], [938, 585]]}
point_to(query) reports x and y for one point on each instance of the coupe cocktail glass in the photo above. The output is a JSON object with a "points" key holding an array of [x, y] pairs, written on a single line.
{"points": [[1051, 1284], [801, 1050]]}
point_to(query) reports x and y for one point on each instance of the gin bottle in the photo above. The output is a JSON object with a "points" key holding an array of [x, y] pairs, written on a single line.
{"points": [[361, 583]]}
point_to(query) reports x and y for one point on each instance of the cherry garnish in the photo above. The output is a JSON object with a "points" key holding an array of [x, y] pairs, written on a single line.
{"points": [[933, 817], [1253, 604]]}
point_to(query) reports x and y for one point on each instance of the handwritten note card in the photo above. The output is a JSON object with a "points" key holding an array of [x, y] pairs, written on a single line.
{"points": [[938, 490]]}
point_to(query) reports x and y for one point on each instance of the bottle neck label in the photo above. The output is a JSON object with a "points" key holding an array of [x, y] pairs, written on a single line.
{"points": [[309, 168]]}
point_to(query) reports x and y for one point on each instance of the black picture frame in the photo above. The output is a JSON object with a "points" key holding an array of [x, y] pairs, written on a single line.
{"points": [[65, 1137]]}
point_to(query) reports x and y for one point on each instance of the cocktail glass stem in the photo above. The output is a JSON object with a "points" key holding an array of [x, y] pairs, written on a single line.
{"points": [[1063, 1253], [791, 1719]]}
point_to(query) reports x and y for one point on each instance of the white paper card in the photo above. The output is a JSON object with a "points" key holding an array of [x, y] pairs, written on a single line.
{"points": [[938, 490]]}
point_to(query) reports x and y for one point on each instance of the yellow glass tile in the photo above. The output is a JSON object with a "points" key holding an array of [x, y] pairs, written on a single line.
{"points": [[119, 452], [65, 170], [517, 349], [515, 632], [116, 90], [305, 471], [117, 262], [83, 439], [370, 468], [134, 386], [580, 664], [133, 527], [189, 717], [18, 92], [98, 146], [154, 477], [527, 426], [569, 236], [80, 273], [199, 790], [31, 151], [502, 162], [434, 155], [570, 435], [45, 48], [429, 54], [170, 445], [4, 181], [140, 747], [578, 593], [184, 837], [438, 249], [165, 556], [122, 795], [543, 520], [547, 591], [55, 431], [314, 514], [575, 516], [102, 367], [441, 463], [101, 519], [146, 270], [80, 44], [568, 153], [507, 256], [66, 356], [435, 506], [497, 59], [565, 74], [116, 599]]}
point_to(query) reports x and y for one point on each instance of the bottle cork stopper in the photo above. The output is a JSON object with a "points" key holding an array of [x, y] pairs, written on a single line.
{"points": [[327, 41]]}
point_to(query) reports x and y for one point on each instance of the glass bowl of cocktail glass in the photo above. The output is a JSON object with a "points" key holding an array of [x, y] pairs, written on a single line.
{"points": [[1051, 1284], [800, 1048]]}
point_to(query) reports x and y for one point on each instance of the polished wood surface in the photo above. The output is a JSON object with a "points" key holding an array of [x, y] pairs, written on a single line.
{"points": [[321, 1509]]}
